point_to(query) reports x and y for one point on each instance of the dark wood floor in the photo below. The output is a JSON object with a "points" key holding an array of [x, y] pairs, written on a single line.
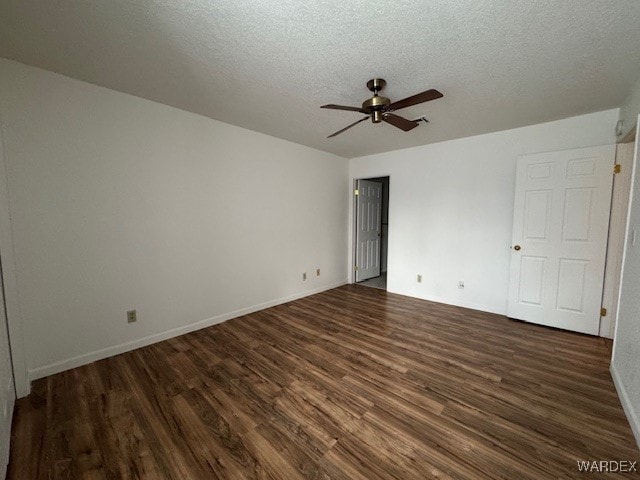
{"points": [[353, 383]]}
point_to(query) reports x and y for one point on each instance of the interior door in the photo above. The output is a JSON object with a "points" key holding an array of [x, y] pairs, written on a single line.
{"points": [[368, 229], [560, 225]]}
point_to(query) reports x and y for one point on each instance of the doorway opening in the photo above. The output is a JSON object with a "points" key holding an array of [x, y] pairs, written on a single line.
{"points": [[371, 232]]}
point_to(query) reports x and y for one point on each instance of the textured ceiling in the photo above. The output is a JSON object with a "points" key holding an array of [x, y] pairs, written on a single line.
{"points": [[268, 66]]}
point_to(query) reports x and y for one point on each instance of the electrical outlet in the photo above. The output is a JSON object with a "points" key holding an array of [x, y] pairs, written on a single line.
{"points": [[419, 279], [304, 276], [460, 283], [132, 316], [317, 272]]}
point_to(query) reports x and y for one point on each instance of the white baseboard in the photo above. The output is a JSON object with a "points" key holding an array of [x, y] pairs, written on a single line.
{"points": [[455, 303], [632, 415], [86, 358]]}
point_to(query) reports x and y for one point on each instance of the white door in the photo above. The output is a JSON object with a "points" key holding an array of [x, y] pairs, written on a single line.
{"points": [[368, 229], [560, 225]]}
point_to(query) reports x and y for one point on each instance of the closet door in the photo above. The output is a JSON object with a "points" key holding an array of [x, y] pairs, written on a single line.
{"points": [[560, 227]]}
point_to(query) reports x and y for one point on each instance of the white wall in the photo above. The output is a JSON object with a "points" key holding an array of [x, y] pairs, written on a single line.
{"points": [[630, 109], [7, 287], [625, 364], [451, 207], [7, 390], [120, 203]]}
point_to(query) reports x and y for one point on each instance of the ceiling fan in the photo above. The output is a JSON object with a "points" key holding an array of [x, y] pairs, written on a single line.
{"points": [[380, 109]]}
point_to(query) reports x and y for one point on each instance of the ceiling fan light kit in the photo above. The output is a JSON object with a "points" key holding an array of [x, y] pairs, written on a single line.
{"points": [[380, 109]]}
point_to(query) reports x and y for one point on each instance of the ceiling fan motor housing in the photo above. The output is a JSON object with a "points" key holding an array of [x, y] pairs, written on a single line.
{"points": [[375, 106]]}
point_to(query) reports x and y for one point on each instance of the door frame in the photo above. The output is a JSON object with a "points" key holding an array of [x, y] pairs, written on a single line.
{"points": [[353, 224], [618, 220]]}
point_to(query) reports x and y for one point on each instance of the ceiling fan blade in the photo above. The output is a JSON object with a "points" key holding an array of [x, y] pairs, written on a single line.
{"points": [[400, 122], [415, 99], [343, 107], [348, 127]]}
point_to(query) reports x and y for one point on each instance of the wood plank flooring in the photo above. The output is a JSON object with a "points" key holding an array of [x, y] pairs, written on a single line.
{"points": [[352, 383]]}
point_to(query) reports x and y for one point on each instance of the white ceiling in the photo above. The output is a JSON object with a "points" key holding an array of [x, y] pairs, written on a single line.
{"points": [[268, 66]]}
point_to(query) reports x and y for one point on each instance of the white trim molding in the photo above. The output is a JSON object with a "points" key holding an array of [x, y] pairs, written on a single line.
{"points": [[627, 405]]}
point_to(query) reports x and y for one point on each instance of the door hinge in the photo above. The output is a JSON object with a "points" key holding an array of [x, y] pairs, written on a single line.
{"points": [[616, 168], [603, 312], [355, 267], [356, 192]]}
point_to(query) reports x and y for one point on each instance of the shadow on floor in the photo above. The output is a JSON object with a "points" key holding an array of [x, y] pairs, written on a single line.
{"points": [[376, 282]]}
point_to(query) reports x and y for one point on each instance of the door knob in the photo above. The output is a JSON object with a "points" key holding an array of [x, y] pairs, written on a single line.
{"points": [[517, 247]]}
